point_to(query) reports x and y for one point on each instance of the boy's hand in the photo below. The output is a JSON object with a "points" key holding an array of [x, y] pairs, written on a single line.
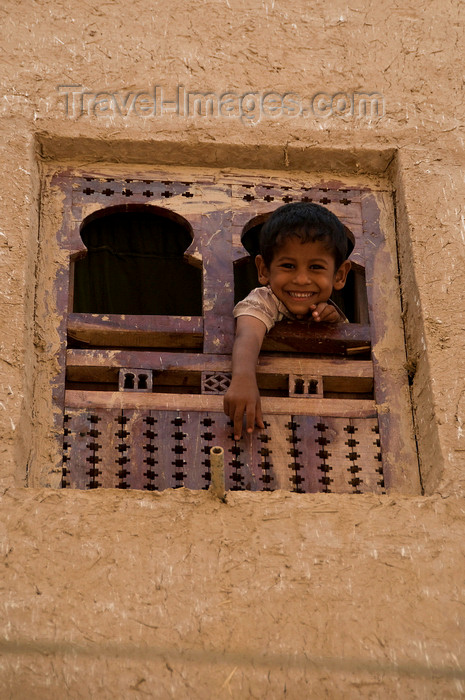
{"points": [[326, 313], [243, 397]]}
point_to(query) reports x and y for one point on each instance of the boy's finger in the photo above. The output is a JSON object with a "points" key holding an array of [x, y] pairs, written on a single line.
{"points": [[323, 312], [328, 313], [250, 415], [237, 418]]}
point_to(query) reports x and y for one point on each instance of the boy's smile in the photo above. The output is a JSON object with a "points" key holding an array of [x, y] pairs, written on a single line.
{"points": [[302, 275]]}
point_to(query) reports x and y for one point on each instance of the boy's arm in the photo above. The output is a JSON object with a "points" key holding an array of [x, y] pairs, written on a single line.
{"points": [[243, 395]]}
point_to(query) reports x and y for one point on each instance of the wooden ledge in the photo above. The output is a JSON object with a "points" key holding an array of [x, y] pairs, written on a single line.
{"points": [[339, 339], [113, 330], [126, 400], [196, 362]]}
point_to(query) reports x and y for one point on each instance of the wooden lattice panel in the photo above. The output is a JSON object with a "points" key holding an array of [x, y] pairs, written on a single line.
{"points": [[215, 382], [155, 450], [319, 399], [338, 454]]}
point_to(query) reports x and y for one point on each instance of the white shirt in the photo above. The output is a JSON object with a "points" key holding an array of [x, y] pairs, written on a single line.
{"points": [[263, 304]]}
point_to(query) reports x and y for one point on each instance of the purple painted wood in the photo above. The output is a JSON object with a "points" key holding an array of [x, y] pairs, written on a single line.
{"points": [[296, 336], [114, 330], [193, 445], [133, 473], [155, 454], [165, 443], [250, 446], [339, 454], [367, 448], [280, 459], [77, 452], [150, 456], [306, 448], [218, 289], [115, 450], [400, 459]]}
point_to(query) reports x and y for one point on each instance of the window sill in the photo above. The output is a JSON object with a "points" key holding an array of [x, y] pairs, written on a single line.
{"points": [[338, 339], [113, 330]]}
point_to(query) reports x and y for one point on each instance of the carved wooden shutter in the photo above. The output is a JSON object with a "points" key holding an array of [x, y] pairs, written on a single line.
{"points": [[141, 396]]}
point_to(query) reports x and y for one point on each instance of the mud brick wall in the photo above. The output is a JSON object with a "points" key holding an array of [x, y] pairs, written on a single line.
{"points": [[116, 594]]}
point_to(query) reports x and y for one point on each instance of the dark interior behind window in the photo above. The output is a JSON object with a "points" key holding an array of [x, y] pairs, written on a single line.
{"points": [[135, 264]]}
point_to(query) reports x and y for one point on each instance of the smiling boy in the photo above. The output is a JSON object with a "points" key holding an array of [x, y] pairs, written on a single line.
{"points": [[303, 251]]}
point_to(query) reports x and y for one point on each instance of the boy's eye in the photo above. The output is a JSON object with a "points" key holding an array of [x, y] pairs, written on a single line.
{"points": [[287, 266], [316, 267]]}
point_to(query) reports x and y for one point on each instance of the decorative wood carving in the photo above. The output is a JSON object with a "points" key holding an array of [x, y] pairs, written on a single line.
{"points": [[336, 421]]}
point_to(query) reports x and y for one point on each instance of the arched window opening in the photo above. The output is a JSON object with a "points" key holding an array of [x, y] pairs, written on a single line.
{"points": [[352, 299], [136, 264]]}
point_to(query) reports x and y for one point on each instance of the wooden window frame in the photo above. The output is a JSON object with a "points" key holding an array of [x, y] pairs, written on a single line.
{"points": [[222, 208]]}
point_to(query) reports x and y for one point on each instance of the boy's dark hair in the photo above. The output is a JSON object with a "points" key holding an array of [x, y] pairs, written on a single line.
{"points": [[309, 222]]}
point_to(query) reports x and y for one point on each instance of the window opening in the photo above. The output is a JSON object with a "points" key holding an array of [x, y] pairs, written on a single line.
{"points": [[135, 264], [128, 380], [141, 390], [352, 299]]}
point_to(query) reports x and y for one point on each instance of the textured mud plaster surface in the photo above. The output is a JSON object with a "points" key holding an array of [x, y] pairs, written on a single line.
{"points": [[260, 597], [405, 53], [109, 595]]}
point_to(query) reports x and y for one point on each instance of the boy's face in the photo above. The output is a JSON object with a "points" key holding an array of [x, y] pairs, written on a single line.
{"points": [[302, 274]]}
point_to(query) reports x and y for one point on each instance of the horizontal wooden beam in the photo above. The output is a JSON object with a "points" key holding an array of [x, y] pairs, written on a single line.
{"points": [[340, 339], [197, 362], [343, 408], [115, 330]]}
